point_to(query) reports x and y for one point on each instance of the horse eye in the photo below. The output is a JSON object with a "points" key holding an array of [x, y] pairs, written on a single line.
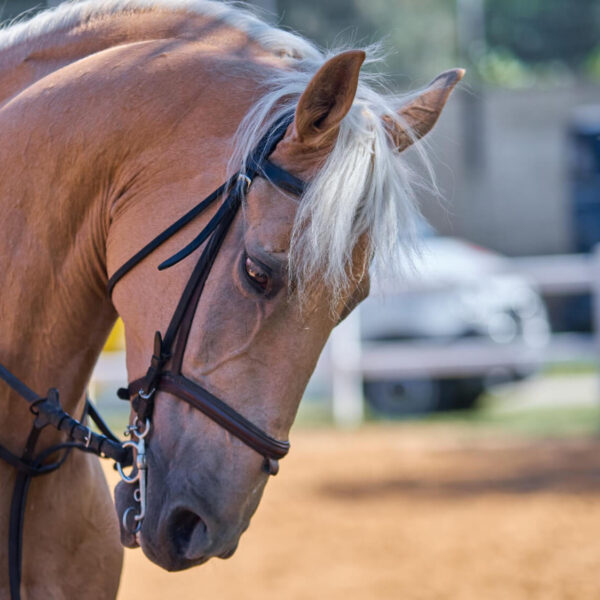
{"points": [[256, 273]]}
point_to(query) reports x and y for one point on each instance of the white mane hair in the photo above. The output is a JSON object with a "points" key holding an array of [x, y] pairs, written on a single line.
{"points": [[364, 187], [71, 14]]}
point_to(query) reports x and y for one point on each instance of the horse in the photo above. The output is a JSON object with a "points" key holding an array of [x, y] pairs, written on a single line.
{"points": [[116, 118]]}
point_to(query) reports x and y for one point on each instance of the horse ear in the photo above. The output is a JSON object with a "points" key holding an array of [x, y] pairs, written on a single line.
{"points": [[328, 98], [422, 112]]}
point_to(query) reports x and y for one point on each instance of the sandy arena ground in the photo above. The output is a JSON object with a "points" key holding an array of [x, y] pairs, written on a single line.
{"points": [[406, 513]]}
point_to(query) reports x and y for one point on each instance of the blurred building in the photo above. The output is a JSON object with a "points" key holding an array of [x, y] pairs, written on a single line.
{"points": [[516, 196]]}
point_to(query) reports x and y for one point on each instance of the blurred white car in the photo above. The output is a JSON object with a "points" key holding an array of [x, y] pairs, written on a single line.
{"points": [[466, 319]]}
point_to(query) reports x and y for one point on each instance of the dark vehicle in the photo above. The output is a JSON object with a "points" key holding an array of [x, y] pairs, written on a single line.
{"points": [[464, 320]]}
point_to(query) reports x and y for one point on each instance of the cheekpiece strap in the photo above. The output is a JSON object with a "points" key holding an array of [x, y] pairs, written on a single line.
{"points": [[143, 401]]}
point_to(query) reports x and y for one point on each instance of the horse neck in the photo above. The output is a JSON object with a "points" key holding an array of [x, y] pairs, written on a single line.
{"points": [[55, 314], [54, 310]]}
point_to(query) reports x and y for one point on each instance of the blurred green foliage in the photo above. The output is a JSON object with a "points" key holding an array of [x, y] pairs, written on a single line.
{"points": [[542, 31], [592, 64], [540, 41], [522, 43], [419, 36], [11, 9]]}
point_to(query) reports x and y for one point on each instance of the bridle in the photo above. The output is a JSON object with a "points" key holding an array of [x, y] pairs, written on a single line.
{"points": [[165, 370]]}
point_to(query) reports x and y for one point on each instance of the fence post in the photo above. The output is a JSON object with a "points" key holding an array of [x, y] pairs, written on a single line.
{"points": [[347, 395], [595, 290]]}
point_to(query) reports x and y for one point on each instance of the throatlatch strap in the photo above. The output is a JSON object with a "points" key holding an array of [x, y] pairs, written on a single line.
{"points": [[168, 233], [200, 239]]}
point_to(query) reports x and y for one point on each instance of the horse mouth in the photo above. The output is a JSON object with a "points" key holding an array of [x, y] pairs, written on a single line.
{"points": [[124, 500]]}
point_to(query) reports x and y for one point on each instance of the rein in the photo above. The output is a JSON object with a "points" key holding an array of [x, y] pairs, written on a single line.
{"points": [[168, 350], [48, 411]]}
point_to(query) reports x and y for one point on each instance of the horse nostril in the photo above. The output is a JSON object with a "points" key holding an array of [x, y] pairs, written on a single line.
{"points": [[186, 525]]}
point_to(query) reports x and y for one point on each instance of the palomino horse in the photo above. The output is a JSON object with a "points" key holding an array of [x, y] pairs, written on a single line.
{"points": [[116, 118]]}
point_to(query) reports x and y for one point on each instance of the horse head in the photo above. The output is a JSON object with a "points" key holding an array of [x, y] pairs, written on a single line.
{"points": [[289, 268]]}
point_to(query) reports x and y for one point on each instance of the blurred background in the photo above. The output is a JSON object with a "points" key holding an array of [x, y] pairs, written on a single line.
{"points": [[447, 445]]}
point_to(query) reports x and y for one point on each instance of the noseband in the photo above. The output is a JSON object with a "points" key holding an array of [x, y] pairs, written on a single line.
{"points": [[165, 370]]}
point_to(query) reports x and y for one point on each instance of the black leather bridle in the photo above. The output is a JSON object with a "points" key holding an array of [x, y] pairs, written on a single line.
{"points": [[170, 348], [165, 371]]}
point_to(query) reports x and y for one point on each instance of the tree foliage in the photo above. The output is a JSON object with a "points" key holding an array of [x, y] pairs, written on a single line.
{"points": [[418, 36], [521, 42]]}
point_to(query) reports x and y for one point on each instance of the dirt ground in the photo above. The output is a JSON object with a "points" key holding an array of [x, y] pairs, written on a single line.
{"points": [[409, 513]]}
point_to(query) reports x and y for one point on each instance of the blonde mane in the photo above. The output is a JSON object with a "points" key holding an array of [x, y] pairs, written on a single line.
{"points": [[72, 14], [364, 186]]}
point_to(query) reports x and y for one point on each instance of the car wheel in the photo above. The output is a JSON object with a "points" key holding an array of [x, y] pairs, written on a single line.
{"points": [[402, 398], [460, 394]]}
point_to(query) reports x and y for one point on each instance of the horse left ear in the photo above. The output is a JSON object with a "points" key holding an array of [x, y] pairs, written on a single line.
{"points": [[328, 98], [422, 112]]}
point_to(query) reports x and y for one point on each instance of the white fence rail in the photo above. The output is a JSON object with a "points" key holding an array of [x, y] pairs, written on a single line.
{"points": [[352, 360]]}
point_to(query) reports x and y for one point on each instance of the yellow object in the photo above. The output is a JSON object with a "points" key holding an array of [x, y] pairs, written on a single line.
{"points": [[116, 339]]}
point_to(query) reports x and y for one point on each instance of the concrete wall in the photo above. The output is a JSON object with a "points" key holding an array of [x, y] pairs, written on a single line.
{"points": [[504, 173]]}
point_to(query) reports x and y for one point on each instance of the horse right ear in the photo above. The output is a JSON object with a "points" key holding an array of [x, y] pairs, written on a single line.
{"points": [[327, 99], [419, 115]]}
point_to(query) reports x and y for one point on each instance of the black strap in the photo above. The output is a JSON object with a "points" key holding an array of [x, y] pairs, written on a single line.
{"points": [[17, 385], [280, 177], [256, 164], [15, 534], [100, 423], [167, 233], [201, 238], [17, 462], [224, 415], [19, 502], [30, 465], [268, 143], [202, 267], [50, 412]]}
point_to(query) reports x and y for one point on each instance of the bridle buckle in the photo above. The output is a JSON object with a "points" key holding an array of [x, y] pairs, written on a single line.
{"points": [[244, 182], [144, 395]]}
